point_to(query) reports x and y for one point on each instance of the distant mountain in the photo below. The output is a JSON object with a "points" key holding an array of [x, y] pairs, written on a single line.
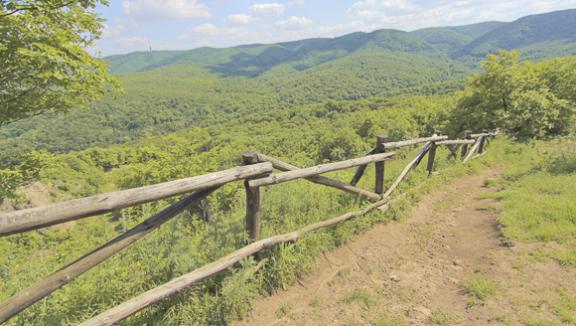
{"points": [[451, 39], [168, 91], [252, 60], [539, 36]]}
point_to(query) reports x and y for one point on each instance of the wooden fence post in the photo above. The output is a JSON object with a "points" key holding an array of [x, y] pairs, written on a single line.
{"points": [[252, 200], [482, 144], [465, 146], [453, 151], [431, 157], [379, 166]]}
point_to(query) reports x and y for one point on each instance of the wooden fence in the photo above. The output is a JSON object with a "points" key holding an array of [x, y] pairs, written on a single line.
{"points": [[256, 173]]}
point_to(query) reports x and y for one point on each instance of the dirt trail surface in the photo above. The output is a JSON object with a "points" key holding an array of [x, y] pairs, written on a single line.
{"points": [[412, 272]]}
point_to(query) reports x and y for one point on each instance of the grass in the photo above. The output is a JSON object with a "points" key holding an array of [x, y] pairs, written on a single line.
{"points": [[283, 311], [315, 302], [441, 318], [479, 288], [385, 320], [360, 296], [565, 308], [489, 182], [537, 202]]}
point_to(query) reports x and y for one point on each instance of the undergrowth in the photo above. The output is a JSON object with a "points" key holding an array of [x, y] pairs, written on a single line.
{"points": [[537, 196], [187, 243]]}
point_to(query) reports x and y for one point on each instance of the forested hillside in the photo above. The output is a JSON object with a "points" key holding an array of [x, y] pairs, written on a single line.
{"points": [[167, 91], [187, 113]]}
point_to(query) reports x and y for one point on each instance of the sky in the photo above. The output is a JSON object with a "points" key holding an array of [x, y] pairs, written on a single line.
{"points": [[137, 25]]}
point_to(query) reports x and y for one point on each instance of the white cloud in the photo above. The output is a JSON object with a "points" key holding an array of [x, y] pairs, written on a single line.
{"points": [[239, 19], [268, 9], [206, 29], [406, 15], [366, 8], [294, 22], [166, 9], [262, 24]]}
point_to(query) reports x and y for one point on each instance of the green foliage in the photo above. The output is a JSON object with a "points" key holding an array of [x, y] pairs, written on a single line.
{"points": [[187, 242], [565, 308], [43, 62], [537, 199], [525, 100], [359, 296], [441, 318], [479, 287], [536, 35], [317, 102], [19, 172]]}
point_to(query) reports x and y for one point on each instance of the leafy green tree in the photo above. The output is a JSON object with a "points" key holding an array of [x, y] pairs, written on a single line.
{"points": [[44, 65], [19, 172], [525, 99]]}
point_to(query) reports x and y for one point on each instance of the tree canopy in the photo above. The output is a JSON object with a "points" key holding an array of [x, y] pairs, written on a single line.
{"points": [[524, 99], [44, 64]]}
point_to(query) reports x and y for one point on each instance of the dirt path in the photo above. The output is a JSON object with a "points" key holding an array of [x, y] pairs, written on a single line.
{"points": [[412, 272]]}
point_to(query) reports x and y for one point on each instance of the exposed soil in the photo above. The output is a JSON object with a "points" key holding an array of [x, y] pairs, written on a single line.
{"points": [[412, 272]]}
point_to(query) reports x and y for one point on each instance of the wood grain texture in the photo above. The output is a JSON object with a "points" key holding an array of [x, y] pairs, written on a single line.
{"points": [[416, 141], [58, 279], [455, 142], [474, 149], [361, 169], [176, 285], [318, 169], [283, 166], [34, 218]]}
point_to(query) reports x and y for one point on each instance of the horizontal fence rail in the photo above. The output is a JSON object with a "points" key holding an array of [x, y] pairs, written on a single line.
{"points": [[411, 142], [34, 218], [456, 142], [484, 134], [58, 279], [283, 166], [319, 169], [256, 173]]}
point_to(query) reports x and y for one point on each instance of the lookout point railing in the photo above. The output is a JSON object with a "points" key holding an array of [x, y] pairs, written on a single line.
{"points": [[256, 173]]}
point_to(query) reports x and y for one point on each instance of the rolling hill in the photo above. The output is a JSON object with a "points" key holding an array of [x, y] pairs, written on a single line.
{"points": [[533, 33], [167, 91]]}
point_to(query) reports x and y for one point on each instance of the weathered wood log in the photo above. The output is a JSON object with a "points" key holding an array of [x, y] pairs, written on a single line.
{"points": [[155, 295], [283, 166], [319, 169], [465, 146], [482, 144], [33, 218], [455, 142], [176, 285], [484, 134], [56, 280], [379, 166], [473, 150], [252, 200], [477, 156], [361, 169], [407, 169], [431, 157], [404, 143]]}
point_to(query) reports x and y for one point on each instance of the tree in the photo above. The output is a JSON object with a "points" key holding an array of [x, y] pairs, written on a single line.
{"points": [[44, 65], [525, 99]]}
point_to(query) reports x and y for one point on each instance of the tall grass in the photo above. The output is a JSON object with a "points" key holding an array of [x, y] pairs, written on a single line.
{"points": [[538, 195], [187, 243]]}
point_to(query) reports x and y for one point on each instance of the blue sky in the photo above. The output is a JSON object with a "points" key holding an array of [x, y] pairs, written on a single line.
{"points": [[134, 25]]}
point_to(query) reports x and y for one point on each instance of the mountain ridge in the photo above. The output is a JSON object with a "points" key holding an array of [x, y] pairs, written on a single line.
{"points": [[169, 91], [466, 43]]}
